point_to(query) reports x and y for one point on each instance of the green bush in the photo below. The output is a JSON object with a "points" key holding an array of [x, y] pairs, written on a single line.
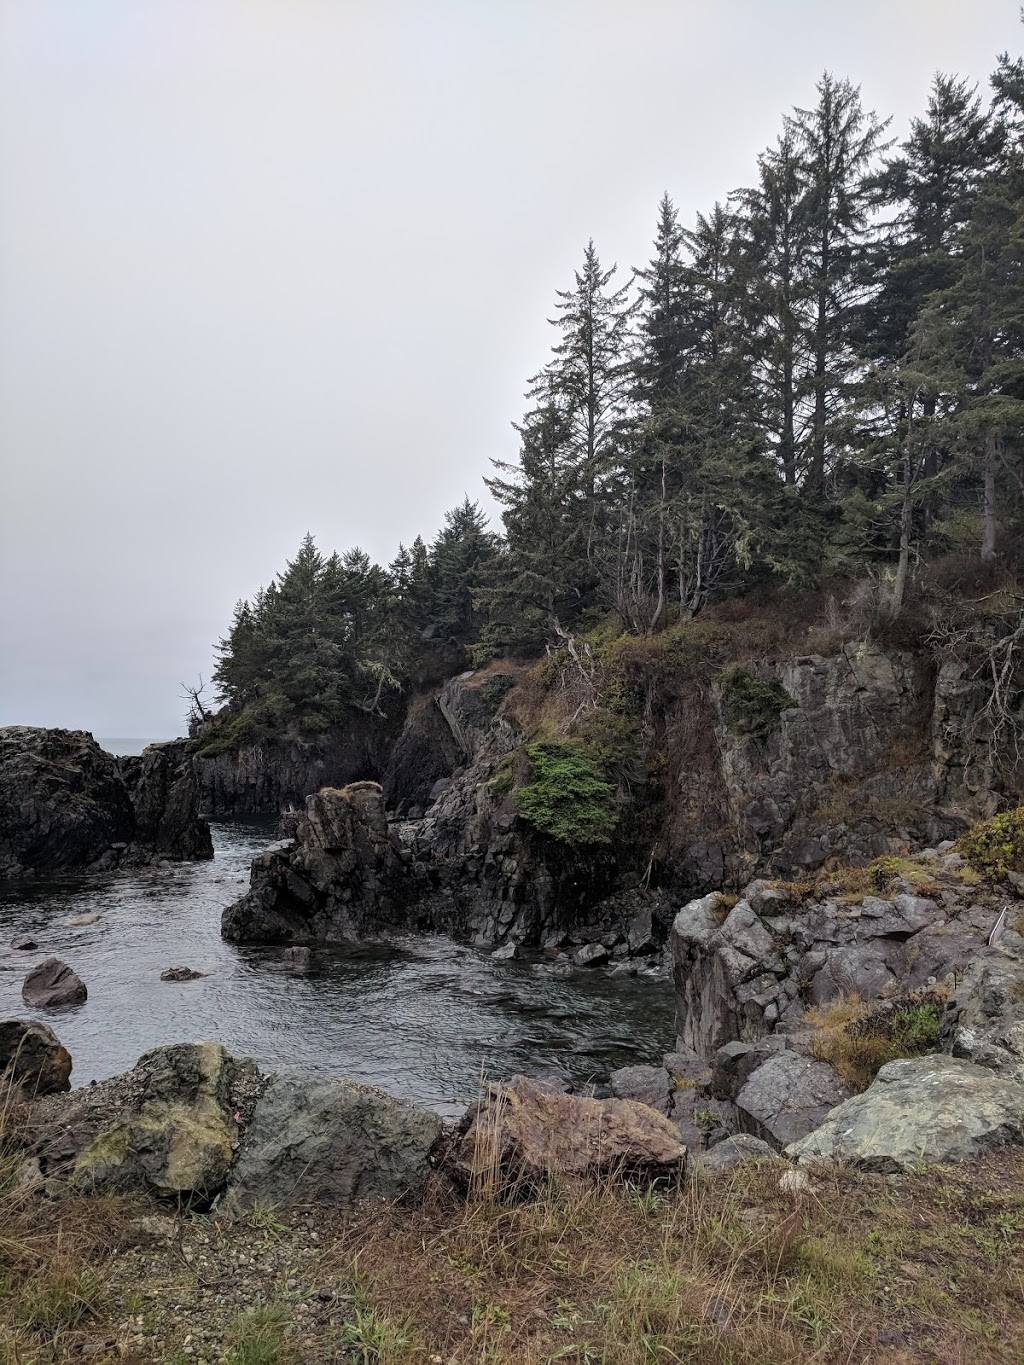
{"points": [[751, 705], [995, 847], [569, 797], [229, 735]]}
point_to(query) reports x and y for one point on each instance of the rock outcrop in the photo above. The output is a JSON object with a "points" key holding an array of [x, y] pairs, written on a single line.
{"points": [[523, 1133], [32, 1060], [919, 1111], [52, 985], [342, 877], [984, 1021], [66, 805], [315, 1141]]}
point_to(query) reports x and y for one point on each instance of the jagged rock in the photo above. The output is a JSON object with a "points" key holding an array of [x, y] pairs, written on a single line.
{"points": [[181, 974], [642, 936], [68, 805], [735, 1062], [918, 1111], [164, 793], [331, 1143], [23, 943], [506, 952], [984, 1021], [62, 801], [342, 875], [735, 1151], [32, 1058], [526, 1131], [590, 955], [857, 969], [726, 975], [645, 1084], [179, 1138], [53, 984], [787, 1097]]}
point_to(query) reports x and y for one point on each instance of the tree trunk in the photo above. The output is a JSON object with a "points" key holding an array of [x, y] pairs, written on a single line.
{"points": [[988, 534]]}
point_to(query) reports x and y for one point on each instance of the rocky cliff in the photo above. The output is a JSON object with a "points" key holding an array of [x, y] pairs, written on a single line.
{"points": [[868, 752], [66, 805]]}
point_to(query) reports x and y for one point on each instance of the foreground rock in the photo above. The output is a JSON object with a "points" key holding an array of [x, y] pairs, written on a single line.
{"points": [[66, 805], [32, 1059], [331, 1143], [52, 985], [916, 1112], [179, 1137], [527, 1131]]}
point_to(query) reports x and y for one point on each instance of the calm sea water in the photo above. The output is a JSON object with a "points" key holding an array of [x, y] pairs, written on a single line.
{"points": [[423, 1018]]}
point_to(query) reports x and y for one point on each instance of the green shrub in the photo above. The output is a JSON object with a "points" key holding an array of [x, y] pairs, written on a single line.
{"points": [[495, 690], [569, 797], [995, 847], [751, 705], [857, 1038], [229, 735]]}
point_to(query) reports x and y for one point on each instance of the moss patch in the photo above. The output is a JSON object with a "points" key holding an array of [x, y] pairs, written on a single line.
{"points": [[995, 847], [751, 706]]}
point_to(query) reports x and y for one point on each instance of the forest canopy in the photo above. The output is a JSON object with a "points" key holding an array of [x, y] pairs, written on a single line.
{"points": [[821, 377]]}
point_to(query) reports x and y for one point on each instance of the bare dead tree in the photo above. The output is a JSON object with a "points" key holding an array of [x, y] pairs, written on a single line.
{"points": [[197, 713]]}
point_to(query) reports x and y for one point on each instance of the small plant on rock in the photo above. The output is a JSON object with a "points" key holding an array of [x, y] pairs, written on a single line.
{"points": [[569, 797], [995, 847], [751, 705]]}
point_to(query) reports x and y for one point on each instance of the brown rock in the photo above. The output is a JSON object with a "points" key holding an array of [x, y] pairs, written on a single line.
{"points": [[526, 1131], [32, 1057]]}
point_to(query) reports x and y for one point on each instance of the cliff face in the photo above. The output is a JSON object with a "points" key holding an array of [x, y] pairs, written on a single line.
{"points": [[874, 752], [67, 805]]}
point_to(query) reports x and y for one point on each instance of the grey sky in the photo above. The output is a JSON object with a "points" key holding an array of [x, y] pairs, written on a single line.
{"points": [[277, 265]]}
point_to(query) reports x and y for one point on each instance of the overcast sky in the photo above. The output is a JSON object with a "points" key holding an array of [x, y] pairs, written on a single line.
{"points": [[277, 265]]}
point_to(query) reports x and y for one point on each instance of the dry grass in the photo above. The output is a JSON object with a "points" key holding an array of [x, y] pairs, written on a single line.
{"points": [[857, 1038], [726, 1271]]}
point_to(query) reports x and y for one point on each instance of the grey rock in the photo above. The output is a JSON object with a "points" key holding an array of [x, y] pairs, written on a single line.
{"points": [[53, 984], [918, 1111], [23, 943], [787, 1097], [332, 1143], [641, 936], [181, 974], [590, 955], [735, 1151], [645, 1084], [506, 952], [858, 969], [984, 1021]]}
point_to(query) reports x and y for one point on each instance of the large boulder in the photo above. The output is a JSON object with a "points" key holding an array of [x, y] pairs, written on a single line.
{"points": [[527, 1131], [331, 1143], [32, 1059], [176, 1134], [788, 1096], [340, 877], [984, 1021], [918, 1111], [66, 805], [649, 1085], [53, 984]]}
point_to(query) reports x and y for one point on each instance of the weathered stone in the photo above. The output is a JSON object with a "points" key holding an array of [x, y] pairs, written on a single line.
{"points": [[506, 952], [527, 1131], [67, 804], [918, 1111], [857, 969], [735, 1151], [53, 984], [984, 1021], [645, 1084], [32, 1058], [642, 936], [331, 1143], [179, 1138], [181, 974], [24, 943], [788, 1096], [590, 955]]}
